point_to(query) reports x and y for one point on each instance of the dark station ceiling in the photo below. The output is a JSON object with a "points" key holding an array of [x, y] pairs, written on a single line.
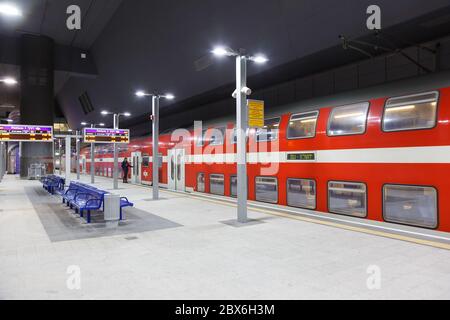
{"points": [[153, 44]]}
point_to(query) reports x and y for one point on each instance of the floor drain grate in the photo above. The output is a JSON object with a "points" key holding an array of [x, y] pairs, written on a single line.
{"points": [[131, 238]]}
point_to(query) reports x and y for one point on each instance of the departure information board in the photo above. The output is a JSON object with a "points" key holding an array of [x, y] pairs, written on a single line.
{"points": [[101, 135], [18, 132]]}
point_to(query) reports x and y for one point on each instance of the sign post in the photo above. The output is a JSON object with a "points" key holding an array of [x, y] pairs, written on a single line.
{"points": [[68, 157], [114, 136], [78, 154]]}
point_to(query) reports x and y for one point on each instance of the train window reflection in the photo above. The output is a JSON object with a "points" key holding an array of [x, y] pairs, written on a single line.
{"points": [[303, 125], [347, 198], [217, 136], [200, 140], [216, 184], [201, 182], [234, 135], [301, 193], [412, 205], [412, 112], [348, 120], [270, 130], [267, 189], [233, 186]]}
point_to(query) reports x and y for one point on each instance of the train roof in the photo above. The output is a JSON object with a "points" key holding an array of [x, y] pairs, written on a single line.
{"points": [[394, 88]]}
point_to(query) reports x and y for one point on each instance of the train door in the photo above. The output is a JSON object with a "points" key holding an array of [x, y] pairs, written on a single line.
{"points": [[176, 169], [136, 162]]}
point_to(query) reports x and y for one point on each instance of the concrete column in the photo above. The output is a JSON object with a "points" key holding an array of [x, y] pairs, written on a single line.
{"points": [[37, 96]]}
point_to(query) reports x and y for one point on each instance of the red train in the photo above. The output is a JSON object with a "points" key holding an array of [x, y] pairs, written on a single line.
{"points": [[384, 159]]}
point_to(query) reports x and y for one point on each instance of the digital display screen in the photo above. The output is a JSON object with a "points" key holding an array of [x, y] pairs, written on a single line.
{"points": [[310, 156], [31, 133], [101, 135]]}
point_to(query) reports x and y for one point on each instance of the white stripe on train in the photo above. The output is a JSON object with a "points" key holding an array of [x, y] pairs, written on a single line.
{"points": [[433, 154]]}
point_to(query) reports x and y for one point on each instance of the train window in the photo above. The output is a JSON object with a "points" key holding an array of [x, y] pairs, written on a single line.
{"points": [[201, 139], [348, 120], [267, 189], [301, 193], [217, 136], [347, 198], [233, 186], [146, 161], [412, 205], [303, 125], [201, 182], [270, 130], [216, 184], [412, 112]]}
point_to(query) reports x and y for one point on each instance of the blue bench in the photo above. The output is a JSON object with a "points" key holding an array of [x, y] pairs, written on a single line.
{"points": [[124, 202], [53, 183], [87, 200]]}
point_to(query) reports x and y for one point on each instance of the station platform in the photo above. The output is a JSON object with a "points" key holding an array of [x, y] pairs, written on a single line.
{"points": [[185, 246]]}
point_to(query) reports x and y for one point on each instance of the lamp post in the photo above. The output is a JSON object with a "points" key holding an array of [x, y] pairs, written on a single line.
{"points": [[240, 94], [116, 118], [155, 136], [93, 125], [77, 144]]}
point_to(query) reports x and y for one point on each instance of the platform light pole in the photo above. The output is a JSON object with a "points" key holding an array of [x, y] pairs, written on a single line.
{"points": [[93, 125], [240, 94], [78, 135], [3, 153], [116, 119], [155, 136]]}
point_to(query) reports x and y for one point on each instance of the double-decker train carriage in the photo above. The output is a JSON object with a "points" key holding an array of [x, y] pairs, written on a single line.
{"points": [[381, 154]]}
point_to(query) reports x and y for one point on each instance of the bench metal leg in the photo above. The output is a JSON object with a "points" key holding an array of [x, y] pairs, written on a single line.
{"points": [[81, 213], [89, 216], [120, 213]]}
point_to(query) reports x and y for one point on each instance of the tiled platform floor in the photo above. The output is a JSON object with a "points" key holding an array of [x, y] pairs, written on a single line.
{"points": [[203, 258]]}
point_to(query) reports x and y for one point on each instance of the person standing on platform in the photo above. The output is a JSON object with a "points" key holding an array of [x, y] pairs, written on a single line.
{"points": [[125, 167]]}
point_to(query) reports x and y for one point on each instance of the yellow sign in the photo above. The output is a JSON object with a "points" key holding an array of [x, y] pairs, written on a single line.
{"points": [[255, 113]]}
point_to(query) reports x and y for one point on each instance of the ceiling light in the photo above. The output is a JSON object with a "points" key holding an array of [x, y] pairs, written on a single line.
{"points": [[101, 124], [127, 114], [169, 96], [84, 123], [221, 52], [105, 113], [9, 81], [140, 93], [10, 10], [259, 59]]}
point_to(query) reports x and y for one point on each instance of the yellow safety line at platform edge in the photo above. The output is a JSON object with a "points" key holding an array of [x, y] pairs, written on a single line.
{"points": [[338, 225]]}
